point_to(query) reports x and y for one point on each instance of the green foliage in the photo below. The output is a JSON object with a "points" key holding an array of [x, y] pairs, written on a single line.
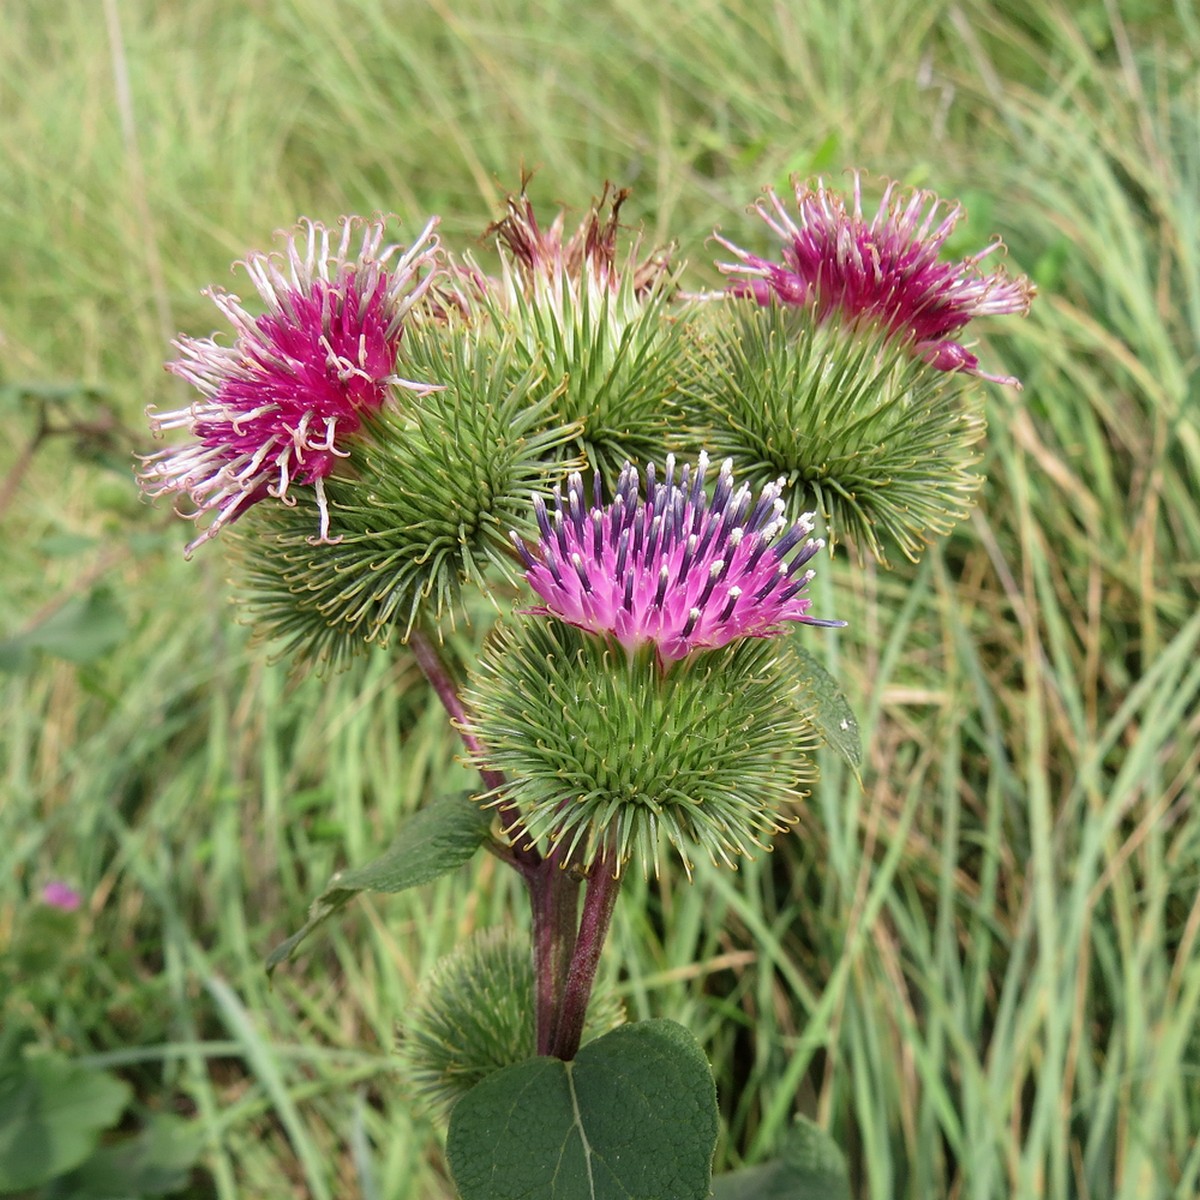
{"points": [[633, 1117], [825, 704], [878, 443], [471, 1017], [53, 1113], [84, 629], [608, 751], [156, 1161], [810, 1167], [439, 838]]}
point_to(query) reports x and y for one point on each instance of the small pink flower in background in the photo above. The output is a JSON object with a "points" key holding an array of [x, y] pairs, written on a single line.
{"points": [[674, 569], [277, 405], [62, 896], [884, 270]]}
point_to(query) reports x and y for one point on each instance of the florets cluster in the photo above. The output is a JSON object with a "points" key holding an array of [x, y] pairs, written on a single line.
{"points": [[675, 569], [882, 270], [276, 407]]}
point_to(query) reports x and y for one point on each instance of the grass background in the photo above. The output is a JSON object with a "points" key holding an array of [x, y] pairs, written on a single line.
{"points": [[981, 970]]}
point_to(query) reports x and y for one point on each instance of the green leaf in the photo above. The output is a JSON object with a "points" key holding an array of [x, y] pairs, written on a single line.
{"points": [[811, 1167], [155, 1162], [828, 708], [432, 842], [633, 1117], [84, 629], [52, 1113]]}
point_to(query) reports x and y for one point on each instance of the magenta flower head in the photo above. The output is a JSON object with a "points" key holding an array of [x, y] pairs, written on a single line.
{"points": [[276, 407], [674, 569], [883, 271]]}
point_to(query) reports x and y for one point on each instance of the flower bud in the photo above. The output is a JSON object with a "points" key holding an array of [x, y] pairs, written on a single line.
{"points": [[423, 503], [610, 755], [472, 1016]]}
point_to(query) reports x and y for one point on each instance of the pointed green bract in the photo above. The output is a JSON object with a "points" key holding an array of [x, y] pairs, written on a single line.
{"points": [[472, 1017], [633, 1117], [423, 505], [606, 750], [880, 444], [612, 362], [593, 314]]}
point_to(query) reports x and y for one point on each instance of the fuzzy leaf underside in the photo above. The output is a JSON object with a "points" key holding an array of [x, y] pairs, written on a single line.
{"points": [[633, 1117], [432, 842]]}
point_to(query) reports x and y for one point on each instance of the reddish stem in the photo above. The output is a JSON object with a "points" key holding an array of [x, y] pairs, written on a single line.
{"points": [[598, 904], [434, 668], [554, 896], [566, 954]]}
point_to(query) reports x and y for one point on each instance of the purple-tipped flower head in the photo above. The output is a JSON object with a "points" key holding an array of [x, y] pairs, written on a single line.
{"points": [[883, 271], [673, 569], [276, 407]]}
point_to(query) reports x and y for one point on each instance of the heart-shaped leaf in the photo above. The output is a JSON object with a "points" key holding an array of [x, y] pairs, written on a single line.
{"points": [[633, 1117]]}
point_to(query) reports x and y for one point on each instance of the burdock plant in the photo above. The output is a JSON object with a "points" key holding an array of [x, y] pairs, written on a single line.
{"points": [[836, 364], [398, 431]]}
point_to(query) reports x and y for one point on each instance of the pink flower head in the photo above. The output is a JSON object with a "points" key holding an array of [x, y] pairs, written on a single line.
{"points": [[885, 270], [62, 896], [675, 569], [276, 406]]}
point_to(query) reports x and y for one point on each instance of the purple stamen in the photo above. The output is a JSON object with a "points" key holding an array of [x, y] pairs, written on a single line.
{"points": [[650, 570]]}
